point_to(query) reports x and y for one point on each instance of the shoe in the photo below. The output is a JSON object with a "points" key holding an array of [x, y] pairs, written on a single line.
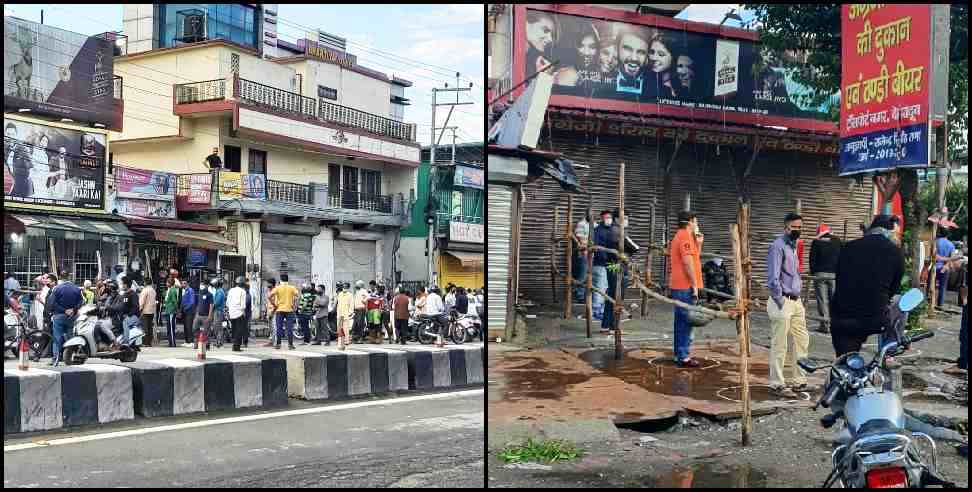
{"points": [[784, 392], [316, 343], [276, 347], [956, 371], [290, 347], [688, 363]]}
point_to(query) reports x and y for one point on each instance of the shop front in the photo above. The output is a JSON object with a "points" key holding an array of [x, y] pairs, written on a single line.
{"points": [[80, 246], [189, 247], [461, 262]]}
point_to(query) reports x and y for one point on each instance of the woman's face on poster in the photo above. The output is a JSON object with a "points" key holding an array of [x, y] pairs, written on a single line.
{"points": [[608, 58], [586, 50], [43, 141], [540, 33], [659, 57], [685, 68]]}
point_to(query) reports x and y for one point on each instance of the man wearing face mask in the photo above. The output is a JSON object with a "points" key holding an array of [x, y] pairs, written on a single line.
{"points": [[786, 312], [869, 272], [599, 275]]}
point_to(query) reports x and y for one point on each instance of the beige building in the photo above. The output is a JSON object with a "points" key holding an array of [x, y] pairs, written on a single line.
{"points": [[339, 166]]}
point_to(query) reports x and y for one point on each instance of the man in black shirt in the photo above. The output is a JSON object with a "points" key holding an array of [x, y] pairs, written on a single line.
{"points": [[213, 161], [824, 253], [869, 272]]}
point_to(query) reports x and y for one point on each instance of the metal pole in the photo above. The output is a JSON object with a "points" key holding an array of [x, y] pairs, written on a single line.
{"points": [[431, 240]]}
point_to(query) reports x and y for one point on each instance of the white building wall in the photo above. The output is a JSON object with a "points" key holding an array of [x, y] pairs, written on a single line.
{"points": [[354, 89], [412, 260], [322, 259]]}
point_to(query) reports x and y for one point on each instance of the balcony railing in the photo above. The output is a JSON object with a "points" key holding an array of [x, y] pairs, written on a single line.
{"points": [[117, 87], [373, 123], [210, 90], [278, 99], [257, 94], [289, 192], [357, 200]]}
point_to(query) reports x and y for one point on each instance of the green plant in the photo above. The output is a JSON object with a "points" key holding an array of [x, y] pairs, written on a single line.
{"points": [[546, 451]]}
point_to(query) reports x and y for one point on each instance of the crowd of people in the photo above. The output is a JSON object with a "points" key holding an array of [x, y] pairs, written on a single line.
{"points": [[854, 284], [352, 314]]}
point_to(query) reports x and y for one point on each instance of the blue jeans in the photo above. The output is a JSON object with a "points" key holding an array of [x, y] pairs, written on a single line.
{"points": [[964, 339], [600, 281], [683, 329], [609, 321], [63, 326], [288, 320], [127, 324], [941, 285], [304, 320], [580, 274]]}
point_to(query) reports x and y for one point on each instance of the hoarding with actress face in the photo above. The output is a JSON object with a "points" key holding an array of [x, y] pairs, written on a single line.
{"points": [[53, 166], [655, 68]]}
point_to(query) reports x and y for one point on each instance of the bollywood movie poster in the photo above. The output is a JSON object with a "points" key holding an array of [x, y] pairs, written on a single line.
{"points": [[58, 73], [885, 80], [234, 185], [53, 165], [603, 64]]}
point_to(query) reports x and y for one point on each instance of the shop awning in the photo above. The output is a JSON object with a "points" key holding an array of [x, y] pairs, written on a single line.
{"points": [[468, 260], [71, 227], [195, 239]]}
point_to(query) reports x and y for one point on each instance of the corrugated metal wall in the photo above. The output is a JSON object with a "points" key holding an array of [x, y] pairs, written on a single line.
{"points": [[777, 180], [498, 255]]}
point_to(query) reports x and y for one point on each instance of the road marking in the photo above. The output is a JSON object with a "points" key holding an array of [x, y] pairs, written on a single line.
{"points": [[232, 420]]}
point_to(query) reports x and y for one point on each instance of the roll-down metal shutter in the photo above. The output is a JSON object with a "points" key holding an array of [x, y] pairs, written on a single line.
{"points": [[354, 260], [498, 274], [290, 253]]}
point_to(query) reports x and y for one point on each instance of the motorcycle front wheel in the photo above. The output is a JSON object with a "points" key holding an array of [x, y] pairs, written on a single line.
{"points": [[129, 356], [457, 333], [424, 337], [38, 342]]}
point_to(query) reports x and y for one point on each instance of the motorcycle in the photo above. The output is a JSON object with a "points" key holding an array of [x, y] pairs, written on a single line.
{"points": [[717, 278], [15, 329], [425, 328], [94, 337], [874, 449], [463, 327]]}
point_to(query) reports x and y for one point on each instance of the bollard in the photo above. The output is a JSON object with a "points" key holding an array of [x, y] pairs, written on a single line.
{"points": [[24, 363], [201, 343]]}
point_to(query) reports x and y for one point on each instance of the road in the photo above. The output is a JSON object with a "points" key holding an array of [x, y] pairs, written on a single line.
{"points": [[421, 440]]}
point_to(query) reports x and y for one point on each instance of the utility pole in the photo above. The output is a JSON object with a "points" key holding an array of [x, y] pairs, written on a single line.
{"points": [[430, 219]]}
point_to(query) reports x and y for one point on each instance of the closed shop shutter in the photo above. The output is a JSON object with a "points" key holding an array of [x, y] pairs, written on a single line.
{"points": [[777, 179], [498, 259], [290, 253], [452, 271], [354, 260]]}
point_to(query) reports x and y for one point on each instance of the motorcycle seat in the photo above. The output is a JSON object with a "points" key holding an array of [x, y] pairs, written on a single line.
{"points": [[878, 426]]}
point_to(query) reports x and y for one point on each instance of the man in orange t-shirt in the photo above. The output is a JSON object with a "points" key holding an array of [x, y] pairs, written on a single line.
{"points": [[686, 280]]}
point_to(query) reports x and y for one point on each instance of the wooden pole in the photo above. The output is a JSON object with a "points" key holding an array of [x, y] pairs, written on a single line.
{"points": [[738, 232], [54, 269], [649, 259], [619, 294], [589, 297], [569, 295], [553, 255]]}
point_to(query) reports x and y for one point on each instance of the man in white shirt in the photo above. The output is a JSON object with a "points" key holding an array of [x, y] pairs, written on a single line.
{"points": [[435, 309], [236, 305], [582, 231]]}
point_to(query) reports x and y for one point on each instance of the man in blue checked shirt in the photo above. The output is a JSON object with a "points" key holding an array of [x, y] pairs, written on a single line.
{"points": [[786, 312]]}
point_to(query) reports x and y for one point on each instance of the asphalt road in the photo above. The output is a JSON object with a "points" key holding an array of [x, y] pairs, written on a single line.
{"points": [[426, 440]]}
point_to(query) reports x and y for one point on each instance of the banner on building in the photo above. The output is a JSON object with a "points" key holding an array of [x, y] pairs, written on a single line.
{"points": [[467, 233], [144, 184], [53, 165], [635, 68], [137, 207], [469, 177], [194, 192], [233, 185], [885, 80], [57, 73]]}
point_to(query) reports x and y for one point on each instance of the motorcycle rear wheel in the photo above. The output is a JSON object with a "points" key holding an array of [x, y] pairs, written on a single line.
{"points": [[74, 355], [129, 356], [38, 342], [424, 337]]}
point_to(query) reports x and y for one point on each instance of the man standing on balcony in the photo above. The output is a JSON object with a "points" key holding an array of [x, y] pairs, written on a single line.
{"points": [[213, 161]]}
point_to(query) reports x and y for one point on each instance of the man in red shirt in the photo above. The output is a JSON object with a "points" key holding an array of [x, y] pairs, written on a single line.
{"points": [[686, 280]]}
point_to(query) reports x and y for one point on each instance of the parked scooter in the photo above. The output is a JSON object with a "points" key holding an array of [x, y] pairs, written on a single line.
{"points": [[95, 337], [875, 450], [15, 329], [463, 327]]}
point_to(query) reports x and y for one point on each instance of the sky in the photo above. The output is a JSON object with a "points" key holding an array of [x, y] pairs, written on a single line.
{"points": [[425, 44]]}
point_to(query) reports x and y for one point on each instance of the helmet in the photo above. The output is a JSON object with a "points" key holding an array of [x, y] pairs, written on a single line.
{"points": [[305, 286], [359, 284], [87, 284], [240, 280], [214, 282]]}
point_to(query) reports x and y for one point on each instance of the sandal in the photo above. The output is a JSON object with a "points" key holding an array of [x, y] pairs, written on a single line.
{"points": [[784, 392]]}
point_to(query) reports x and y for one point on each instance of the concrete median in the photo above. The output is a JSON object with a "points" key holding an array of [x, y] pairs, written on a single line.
{"points": [[52, 398]]}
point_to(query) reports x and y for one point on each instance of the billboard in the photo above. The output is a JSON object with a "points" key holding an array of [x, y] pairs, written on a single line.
{"points": [[53, 165], [194, 192], [142, 193], [470, 177], [57, 73], [885, 79], [664, 68], [233, 185]]}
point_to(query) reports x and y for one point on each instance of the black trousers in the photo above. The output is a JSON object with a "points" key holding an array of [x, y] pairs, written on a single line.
{"points": [[845, 344], [171, 321], [401, 329], [246, 330], [360, 324], [239, 330], [148, 326], [323, 330], [187, 319]]}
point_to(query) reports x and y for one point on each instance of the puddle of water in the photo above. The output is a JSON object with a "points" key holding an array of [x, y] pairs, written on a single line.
{"points": [[531, 381], [663, 376], [694, 476]]}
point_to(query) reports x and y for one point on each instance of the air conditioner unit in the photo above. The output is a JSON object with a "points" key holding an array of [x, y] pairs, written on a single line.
{"points": [[192, 25]]}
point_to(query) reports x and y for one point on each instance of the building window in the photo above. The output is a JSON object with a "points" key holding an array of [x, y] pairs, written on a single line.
{"points": [[371, 182], [231, 22], [258, 162], [231, 161]]}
